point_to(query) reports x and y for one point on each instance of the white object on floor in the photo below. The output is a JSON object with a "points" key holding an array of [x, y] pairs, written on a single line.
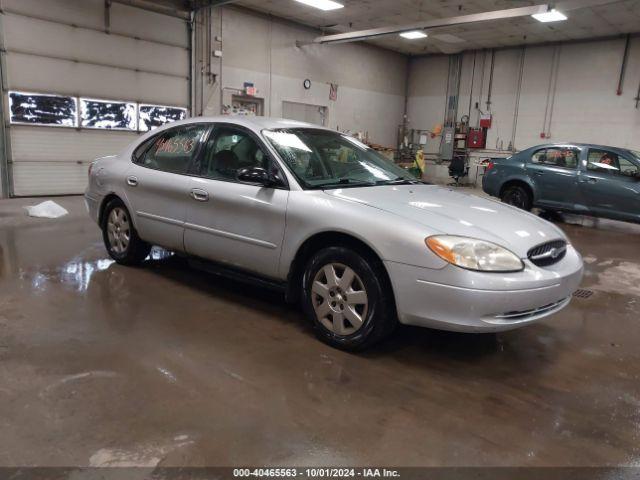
{"points": [[48, 209]]}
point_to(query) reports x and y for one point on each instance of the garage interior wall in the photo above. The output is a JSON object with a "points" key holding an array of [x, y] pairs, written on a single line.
{"points": [[69, 48], [262, 50], [568, 91]]}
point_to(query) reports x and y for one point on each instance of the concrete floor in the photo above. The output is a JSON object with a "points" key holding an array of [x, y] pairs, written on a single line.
{"points": [[106, 365]]}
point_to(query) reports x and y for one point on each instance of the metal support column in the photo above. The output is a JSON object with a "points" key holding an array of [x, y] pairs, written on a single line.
{"points": [[5, 144]]}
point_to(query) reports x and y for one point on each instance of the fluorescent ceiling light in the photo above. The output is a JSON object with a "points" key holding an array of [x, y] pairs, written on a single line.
{"points": [[322, 4], [550, 16], [413, 35]]}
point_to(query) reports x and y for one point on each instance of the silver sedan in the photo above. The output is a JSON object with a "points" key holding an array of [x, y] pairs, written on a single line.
{"points": [[359, 242]]}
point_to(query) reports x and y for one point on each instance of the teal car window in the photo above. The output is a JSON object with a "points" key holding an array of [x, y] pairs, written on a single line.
{"points": [[556, 157], [605, 161]]}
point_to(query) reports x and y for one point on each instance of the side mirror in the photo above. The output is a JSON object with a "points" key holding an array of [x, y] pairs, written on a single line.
{"points": [[256, 175]]}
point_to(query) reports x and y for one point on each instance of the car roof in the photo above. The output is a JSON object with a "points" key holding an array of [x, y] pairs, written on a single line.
{"points": [[255, 123], [582, 145]]}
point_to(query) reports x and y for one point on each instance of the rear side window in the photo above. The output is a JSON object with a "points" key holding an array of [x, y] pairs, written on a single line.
{"points": [[556, 157], [173, 150], [138, 153]]}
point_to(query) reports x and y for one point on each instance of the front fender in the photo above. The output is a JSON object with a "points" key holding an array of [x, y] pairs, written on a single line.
{"points": [[391, 237]]}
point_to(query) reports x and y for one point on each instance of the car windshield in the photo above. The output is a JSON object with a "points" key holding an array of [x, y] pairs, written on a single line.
{"points": [[325, 159], [635, 153]]}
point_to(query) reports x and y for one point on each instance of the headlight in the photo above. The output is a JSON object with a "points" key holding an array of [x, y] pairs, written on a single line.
{"points": [[474, 254]]}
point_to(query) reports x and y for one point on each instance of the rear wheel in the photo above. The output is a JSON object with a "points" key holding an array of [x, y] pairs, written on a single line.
{"points": [[120, 236], [518, 196], [348, 298]]}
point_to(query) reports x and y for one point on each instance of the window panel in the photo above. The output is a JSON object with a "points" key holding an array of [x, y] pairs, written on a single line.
{"points": [[556, 157], [40, 109], [174, 149], [229, 150], [604, 161], [627, 168], [138, 153], [153, 116], [108, 114]]}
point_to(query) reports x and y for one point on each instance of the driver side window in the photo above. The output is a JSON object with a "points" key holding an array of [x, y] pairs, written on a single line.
{"points": [[604, 161], [229, 150]]}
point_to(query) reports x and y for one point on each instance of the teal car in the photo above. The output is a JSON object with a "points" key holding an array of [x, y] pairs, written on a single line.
{"points": [[573, 177]]}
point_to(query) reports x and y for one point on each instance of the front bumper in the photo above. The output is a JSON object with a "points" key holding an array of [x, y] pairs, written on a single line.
{"points": [[467, 301]]}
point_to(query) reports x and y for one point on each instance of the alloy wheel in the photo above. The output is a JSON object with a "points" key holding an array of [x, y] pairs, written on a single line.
{"points": [[339, 299], [516, 199], [119, 230]]}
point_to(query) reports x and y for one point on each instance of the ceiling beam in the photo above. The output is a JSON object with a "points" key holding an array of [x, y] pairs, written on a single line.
{"points": [[428, 24]]}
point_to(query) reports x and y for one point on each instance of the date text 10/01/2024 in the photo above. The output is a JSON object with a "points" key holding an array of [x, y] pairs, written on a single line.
{"points": [[316, 472]]}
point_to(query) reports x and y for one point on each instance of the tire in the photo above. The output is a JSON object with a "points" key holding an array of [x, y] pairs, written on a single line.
{"points": [[120, 237], [334, 303], [517, 196]]}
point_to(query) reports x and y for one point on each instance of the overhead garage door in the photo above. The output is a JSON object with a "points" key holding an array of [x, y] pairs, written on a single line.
{"points": [[105, 85]]}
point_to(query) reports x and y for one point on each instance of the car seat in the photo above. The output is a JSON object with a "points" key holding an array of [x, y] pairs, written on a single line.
{"points": [[225, 164]]}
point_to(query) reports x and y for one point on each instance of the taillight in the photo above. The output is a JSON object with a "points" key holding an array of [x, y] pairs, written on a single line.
{"points": [[490, 165]]}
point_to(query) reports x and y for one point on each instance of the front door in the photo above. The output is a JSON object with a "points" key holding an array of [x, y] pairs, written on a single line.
{"points": [[554, 172], [611, 186], [239, 224], [157, 184]]}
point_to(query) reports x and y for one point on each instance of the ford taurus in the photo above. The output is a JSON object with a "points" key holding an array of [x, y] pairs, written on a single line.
{"points": [[358, 241]]}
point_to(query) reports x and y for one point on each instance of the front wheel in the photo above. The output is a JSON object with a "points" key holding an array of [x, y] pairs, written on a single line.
{"points": [[518, 197], [120, 236], [348, 298]]}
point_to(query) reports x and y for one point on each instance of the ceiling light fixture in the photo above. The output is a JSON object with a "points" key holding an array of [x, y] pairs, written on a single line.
{"points": [[322, 4], [550, 16], [413, 34]]}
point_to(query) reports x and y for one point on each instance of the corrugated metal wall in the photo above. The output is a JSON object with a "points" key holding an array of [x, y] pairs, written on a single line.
{"points": [[61, 46]]}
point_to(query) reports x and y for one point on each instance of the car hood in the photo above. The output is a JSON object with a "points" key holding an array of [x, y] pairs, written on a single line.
{"points": [[448, 211]]}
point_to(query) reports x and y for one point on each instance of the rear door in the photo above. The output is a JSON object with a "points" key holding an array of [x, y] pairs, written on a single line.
{"points": [[610, 184], [554, 172], [228, 221], [158, 184]]}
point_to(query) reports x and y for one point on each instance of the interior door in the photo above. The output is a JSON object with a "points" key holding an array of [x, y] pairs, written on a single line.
{"points": [[611, 185], [554, 172], [158, 185], [239, 224]]}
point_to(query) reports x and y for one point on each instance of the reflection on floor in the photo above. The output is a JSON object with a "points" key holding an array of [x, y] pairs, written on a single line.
{"points": [[106, 365]]}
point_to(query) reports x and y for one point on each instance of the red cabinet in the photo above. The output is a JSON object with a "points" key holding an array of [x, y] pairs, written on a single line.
{"points": [[476, 138]]}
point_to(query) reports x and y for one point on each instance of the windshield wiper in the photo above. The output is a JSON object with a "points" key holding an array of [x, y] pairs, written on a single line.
{"points": [[399, 181], [342, 182]]}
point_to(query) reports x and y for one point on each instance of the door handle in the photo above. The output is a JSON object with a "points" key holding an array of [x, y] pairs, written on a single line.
{"points": [[133, 181], [199, 195]]}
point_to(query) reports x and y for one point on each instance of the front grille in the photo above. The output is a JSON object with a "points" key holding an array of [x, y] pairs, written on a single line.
{"points": [[548, 253]]}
